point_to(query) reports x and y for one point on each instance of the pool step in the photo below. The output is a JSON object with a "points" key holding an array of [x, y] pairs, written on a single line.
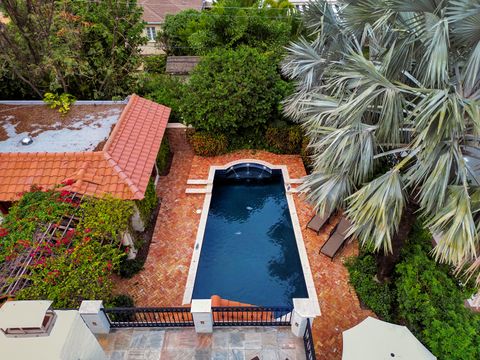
{"points": [[197, 182], [203, 190]]}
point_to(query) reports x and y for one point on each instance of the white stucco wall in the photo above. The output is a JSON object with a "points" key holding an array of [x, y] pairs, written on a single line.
{"points": [[70, 339]]}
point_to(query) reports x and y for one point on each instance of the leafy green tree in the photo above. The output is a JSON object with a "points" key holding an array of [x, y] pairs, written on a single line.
{"points": [[231, 91], [176, 30], [229, 24], [85, 48], [166, 90], [11, 88], [389, 94]]}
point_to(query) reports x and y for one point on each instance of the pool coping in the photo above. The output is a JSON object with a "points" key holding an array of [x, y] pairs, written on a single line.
{"points": [[302, 252]]}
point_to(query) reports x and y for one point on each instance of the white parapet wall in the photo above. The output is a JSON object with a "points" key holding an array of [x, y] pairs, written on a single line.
{"points": [[68, 339]]}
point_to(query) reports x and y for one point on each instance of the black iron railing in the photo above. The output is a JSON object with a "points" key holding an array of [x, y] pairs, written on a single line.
{"points": [[252, 316], [149, 317], [308, 342]]}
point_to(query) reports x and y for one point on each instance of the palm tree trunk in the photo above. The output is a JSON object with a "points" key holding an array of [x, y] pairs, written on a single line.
{"points": [[386, 262]]}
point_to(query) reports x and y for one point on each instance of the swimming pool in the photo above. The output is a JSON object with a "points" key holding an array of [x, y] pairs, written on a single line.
{"points": [[249, 251]]}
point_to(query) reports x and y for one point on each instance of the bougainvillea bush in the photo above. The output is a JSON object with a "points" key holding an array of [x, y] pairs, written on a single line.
{"points": [[107, 218], [75, 274], [74, 265], [31, 213]]}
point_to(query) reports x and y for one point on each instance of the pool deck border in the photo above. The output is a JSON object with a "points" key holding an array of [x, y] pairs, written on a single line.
{"points": [[302, 252]]}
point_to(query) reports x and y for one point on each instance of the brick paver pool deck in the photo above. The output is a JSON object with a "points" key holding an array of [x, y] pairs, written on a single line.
{"points": [[162, 282]]}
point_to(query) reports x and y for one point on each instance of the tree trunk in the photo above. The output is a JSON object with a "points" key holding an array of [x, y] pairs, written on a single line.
{"points": [[386, 262]]}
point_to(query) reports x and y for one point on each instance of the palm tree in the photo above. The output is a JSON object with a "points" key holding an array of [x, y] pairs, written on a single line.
{"points": [[388, 92]]}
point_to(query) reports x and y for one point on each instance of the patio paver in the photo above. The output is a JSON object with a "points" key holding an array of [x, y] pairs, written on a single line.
{"points": [[222, 344], [162, 282]]}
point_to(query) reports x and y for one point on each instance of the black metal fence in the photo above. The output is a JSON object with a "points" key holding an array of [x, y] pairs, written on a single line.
{"points": [[149, 317], [252, 316], [308, 342]]}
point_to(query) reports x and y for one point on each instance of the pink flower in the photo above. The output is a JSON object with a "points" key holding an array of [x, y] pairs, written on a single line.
{"points": [[68, 182], [64, 193]]}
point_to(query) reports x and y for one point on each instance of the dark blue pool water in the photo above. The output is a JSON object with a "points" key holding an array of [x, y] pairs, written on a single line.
{"points": [[249, 253]]}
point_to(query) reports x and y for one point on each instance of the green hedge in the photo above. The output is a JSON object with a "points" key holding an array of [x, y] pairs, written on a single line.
{"points": [[224, 95], [431, 303], [284, 140], [424, 296], [206, 144], [163, 157], [147, 205]]}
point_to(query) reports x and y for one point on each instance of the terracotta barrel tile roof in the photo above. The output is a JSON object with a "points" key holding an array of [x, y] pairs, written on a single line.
{"points": [[154, 11], [122, 168]]}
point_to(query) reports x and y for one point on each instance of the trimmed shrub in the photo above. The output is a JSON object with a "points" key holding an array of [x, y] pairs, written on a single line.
{"points": [[155, 64], [163, 157], [128, 268], [285, 140], [207, 144], [378, 297], [123, 300], [227, 96]]}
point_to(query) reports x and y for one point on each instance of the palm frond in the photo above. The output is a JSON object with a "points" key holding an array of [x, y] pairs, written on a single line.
{"points": [[376, 210], [428, 6], [371, 93], [348, 150], [438, 117], [459, 236], [471, 78], [309, 108], [464, 17], [434, 66], [304, 62], [358, 14], [327, 192], [320, 16], [434, 171]]}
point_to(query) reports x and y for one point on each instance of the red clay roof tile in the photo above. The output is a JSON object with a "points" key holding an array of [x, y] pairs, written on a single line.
{"points": [[122, 169]]}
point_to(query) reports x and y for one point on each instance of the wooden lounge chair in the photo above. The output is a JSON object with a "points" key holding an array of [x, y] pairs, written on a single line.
{"points": [[316, 222], [337, 240]]}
